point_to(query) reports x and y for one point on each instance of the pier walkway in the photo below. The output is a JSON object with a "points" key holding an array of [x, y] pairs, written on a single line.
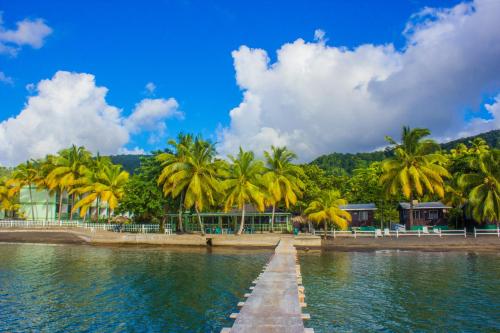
{"points": [[276, 301]]}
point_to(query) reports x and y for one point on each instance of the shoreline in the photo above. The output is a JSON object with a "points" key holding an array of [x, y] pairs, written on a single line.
{"points": [[303, 243]]}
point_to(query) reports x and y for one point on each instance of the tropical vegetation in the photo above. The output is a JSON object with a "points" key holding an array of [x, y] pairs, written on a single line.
{"points": [[189, 176]]}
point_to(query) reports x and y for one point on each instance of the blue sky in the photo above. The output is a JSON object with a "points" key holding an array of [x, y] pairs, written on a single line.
{"points": [[184, 48]]}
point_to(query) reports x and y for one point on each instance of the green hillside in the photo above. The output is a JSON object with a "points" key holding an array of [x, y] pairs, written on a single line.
{"points": [[336, 163], [339, 163]]}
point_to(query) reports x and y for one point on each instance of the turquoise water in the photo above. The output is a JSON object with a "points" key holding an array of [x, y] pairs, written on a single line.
{"points": [[48, 288], [391, 291]]}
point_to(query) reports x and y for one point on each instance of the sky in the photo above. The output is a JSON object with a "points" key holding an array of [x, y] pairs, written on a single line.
{"points": [[316, 76]]}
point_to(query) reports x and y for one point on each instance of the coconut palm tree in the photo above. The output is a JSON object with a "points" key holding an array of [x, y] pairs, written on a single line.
{"points": [[24, 175], [243, 184], [195, 175], [107, 185], [7, 196], [42, 182], [483, 187], [182, 148], [415, 169], [326, 208], [70, 165], [283, 178]]}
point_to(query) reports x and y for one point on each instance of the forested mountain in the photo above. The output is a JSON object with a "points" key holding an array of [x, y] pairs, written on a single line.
{"points": [[128, 162], [339, 163], [336, 163]]}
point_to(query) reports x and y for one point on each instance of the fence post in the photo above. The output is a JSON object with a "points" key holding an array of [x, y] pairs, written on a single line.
{"points": [[143, 228], [397, 233], [418, 232], [354, 233], [465, 233], [440, 233], [333, 233], [498, 232], [475, 234]]}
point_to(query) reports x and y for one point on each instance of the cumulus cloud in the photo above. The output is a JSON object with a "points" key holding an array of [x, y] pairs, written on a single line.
{"points": [[150, 115], [70, 109], [6, 79], [318, 98], [27, 32], [133, 151]]}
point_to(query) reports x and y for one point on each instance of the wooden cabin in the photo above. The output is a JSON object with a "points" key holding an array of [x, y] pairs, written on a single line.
{"points": [[424, 213], [362, 214]]}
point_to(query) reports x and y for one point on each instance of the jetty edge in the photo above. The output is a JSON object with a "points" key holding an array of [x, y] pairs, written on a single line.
{"points": [[277, 297]]}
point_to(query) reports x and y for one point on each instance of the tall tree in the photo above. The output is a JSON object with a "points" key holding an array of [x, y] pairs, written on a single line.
{"points": [[70, 165], [195, 175], [42, 182], [243, 184], [283, 178], [182, 148], [416, 169], [326, 208], [483, 187], [25, 175]]}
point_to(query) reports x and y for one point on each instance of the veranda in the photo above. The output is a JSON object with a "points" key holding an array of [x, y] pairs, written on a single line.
{"points": [[228, 223]]}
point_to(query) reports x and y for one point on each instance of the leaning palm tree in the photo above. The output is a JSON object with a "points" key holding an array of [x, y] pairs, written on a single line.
{"points": [[243, 184], [25, 175], [195, 176], [326, 208], [283, 178], [108, 185], [484, 187], [8, 202], [415, 169], [182, 148]]}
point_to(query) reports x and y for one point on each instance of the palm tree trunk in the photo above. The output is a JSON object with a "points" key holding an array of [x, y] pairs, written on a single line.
{"points": [[272, 217], [411, 211], [31, 201], [200, 222], [163, 219], [60, 205], [242, 224], [47, 206], [72, 204], [326, 228], [181, 228], [110, 211]]}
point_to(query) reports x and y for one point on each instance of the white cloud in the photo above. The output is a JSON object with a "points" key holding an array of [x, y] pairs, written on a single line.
{"points": [[6, 79], [27, 32], [317, 98], [70, 109], [150, 115], [150, 88], [480, 125]]}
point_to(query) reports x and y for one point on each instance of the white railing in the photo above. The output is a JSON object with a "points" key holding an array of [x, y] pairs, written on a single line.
{"points": [[479, 232], [393, 233], [136, 228]]}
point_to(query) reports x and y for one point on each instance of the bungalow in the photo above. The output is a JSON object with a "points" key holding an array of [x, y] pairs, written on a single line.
{"points": [[362, 214], [424, 213]]}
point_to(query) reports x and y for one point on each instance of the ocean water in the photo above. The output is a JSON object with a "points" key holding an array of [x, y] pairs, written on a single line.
{"points": [[73, 288], [402, 291]]}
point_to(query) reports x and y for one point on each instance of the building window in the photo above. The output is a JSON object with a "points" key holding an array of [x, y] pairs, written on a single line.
{"points": [[416, 215], [433, 214], [363, 216]]}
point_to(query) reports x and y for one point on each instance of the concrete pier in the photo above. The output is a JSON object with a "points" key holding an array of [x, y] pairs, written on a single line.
{"points": [[276, 301]]}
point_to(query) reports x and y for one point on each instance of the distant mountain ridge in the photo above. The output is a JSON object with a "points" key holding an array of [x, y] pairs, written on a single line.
{"points": [[345, 163], [338, 163]]}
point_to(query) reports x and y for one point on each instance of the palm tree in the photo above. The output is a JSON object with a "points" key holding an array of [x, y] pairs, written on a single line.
{"points": [[415, 169], [183, 147], [7, 196], [70, 165], [195, 175], [326, 208], [243, 184], [25, 175], [484, 187], [283, 178], [107, 185], [42, 182]]}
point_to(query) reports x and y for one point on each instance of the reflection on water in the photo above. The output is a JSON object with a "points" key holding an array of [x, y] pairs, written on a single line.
{"points": [[395, 291], [93, 289]]}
